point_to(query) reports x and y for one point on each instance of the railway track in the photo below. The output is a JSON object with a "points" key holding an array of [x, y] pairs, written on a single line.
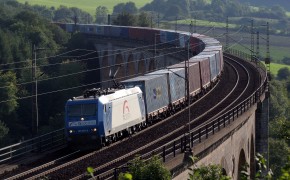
{"points": [[236, 84]]}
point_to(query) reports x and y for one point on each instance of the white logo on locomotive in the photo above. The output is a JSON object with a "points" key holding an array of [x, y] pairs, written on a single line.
{"points": [[126, 111]]}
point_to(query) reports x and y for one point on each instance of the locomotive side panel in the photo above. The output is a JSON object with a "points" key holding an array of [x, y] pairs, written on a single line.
{"points": [[121, 110], [126, 112]]}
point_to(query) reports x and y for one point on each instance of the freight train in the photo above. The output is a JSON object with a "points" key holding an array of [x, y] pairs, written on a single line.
{"points": [[103, 116]]}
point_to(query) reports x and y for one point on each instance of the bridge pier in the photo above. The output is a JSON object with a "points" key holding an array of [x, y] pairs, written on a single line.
{"points": [[262, 129]]}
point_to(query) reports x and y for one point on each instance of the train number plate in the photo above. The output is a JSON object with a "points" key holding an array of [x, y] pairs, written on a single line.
{"points": [[82, 123]]}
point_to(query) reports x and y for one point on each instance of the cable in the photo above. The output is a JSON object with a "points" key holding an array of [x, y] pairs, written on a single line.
{"points": [[129, 49], [47, 57], [66, 89], [92, 51], [50, 92], [71, 74]]}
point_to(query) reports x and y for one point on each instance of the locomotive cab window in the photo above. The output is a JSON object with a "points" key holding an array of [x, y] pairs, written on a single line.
{"points": [[74, 110], [89, 109], [82, 110]]}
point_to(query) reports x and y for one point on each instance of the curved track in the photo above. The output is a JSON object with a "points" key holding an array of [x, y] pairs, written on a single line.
{"points": [[236, 83]]}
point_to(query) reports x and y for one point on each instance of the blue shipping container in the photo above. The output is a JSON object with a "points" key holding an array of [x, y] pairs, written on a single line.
{"points": [[176, 81], [154, 89], [115, 31]]}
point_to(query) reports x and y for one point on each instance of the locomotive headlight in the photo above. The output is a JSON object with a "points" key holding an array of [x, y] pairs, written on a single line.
{"points": [[94, 130], [70, 131], [82, 119]]}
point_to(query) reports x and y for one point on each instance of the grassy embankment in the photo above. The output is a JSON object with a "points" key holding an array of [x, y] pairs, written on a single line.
{"points": [[86, 5]]}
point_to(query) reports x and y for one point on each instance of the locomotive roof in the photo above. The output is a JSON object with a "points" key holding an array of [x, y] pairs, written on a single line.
{"points": [[119, 94]]}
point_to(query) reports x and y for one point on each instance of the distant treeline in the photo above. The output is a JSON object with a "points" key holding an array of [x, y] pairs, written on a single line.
{"points": [[268, 3]]}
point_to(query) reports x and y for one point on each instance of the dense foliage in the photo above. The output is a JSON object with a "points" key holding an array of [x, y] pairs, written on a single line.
{"points": [[268, 3], [279, 142], [151, 169], [21, 29]]}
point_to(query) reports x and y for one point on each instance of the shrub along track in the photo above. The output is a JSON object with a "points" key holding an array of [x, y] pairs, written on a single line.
{"points": [[235, 85]]}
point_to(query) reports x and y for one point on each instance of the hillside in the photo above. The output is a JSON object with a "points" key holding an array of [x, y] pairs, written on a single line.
{"points": [[86, 5], [268, 3]]}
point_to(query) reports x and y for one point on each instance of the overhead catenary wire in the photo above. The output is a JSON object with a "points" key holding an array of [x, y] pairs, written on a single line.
{"points": [[77, 73], [91, 51], [60, 55], [81, 60], [75, 87], [55, 91]]}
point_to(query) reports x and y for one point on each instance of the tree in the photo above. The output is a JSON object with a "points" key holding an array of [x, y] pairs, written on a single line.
{"points": [[283, 73], [278, 99], [183, 5], [68, 15], [285, 171], [150, 170], [3, 131], [125, 19], [155, 6], [129, 8], [218, 6], [8, 92], [172, 12], [279, 150], [144, 19], [279, 11], [102, 14], [286, 60], [210, 172], [5, 50]]}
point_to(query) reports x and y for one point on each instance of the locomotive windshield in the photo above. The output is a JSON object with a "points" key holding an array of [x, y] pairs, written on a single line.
{"points": [[82, 110]]}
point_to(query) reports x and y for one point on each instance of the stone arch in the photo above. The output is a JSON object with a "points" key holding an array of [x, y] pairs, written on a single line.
{"points": [[141, 65], [151, 65], [242, 162], [252, 158], [119, 63], [224, 164], [130, 66], [161, 61], [224, 172]]}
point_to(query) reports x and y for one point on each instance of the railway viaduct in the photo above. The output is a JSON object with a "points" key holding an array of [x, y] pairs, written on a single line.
{"points": [[232, 147], [231, 140]]}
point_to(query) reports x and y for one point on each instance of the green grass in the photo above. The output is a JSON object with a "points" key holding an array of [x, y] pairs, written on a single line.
{"points": [[275, 53], [205, 23], [274, 67], [86, 5]]}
